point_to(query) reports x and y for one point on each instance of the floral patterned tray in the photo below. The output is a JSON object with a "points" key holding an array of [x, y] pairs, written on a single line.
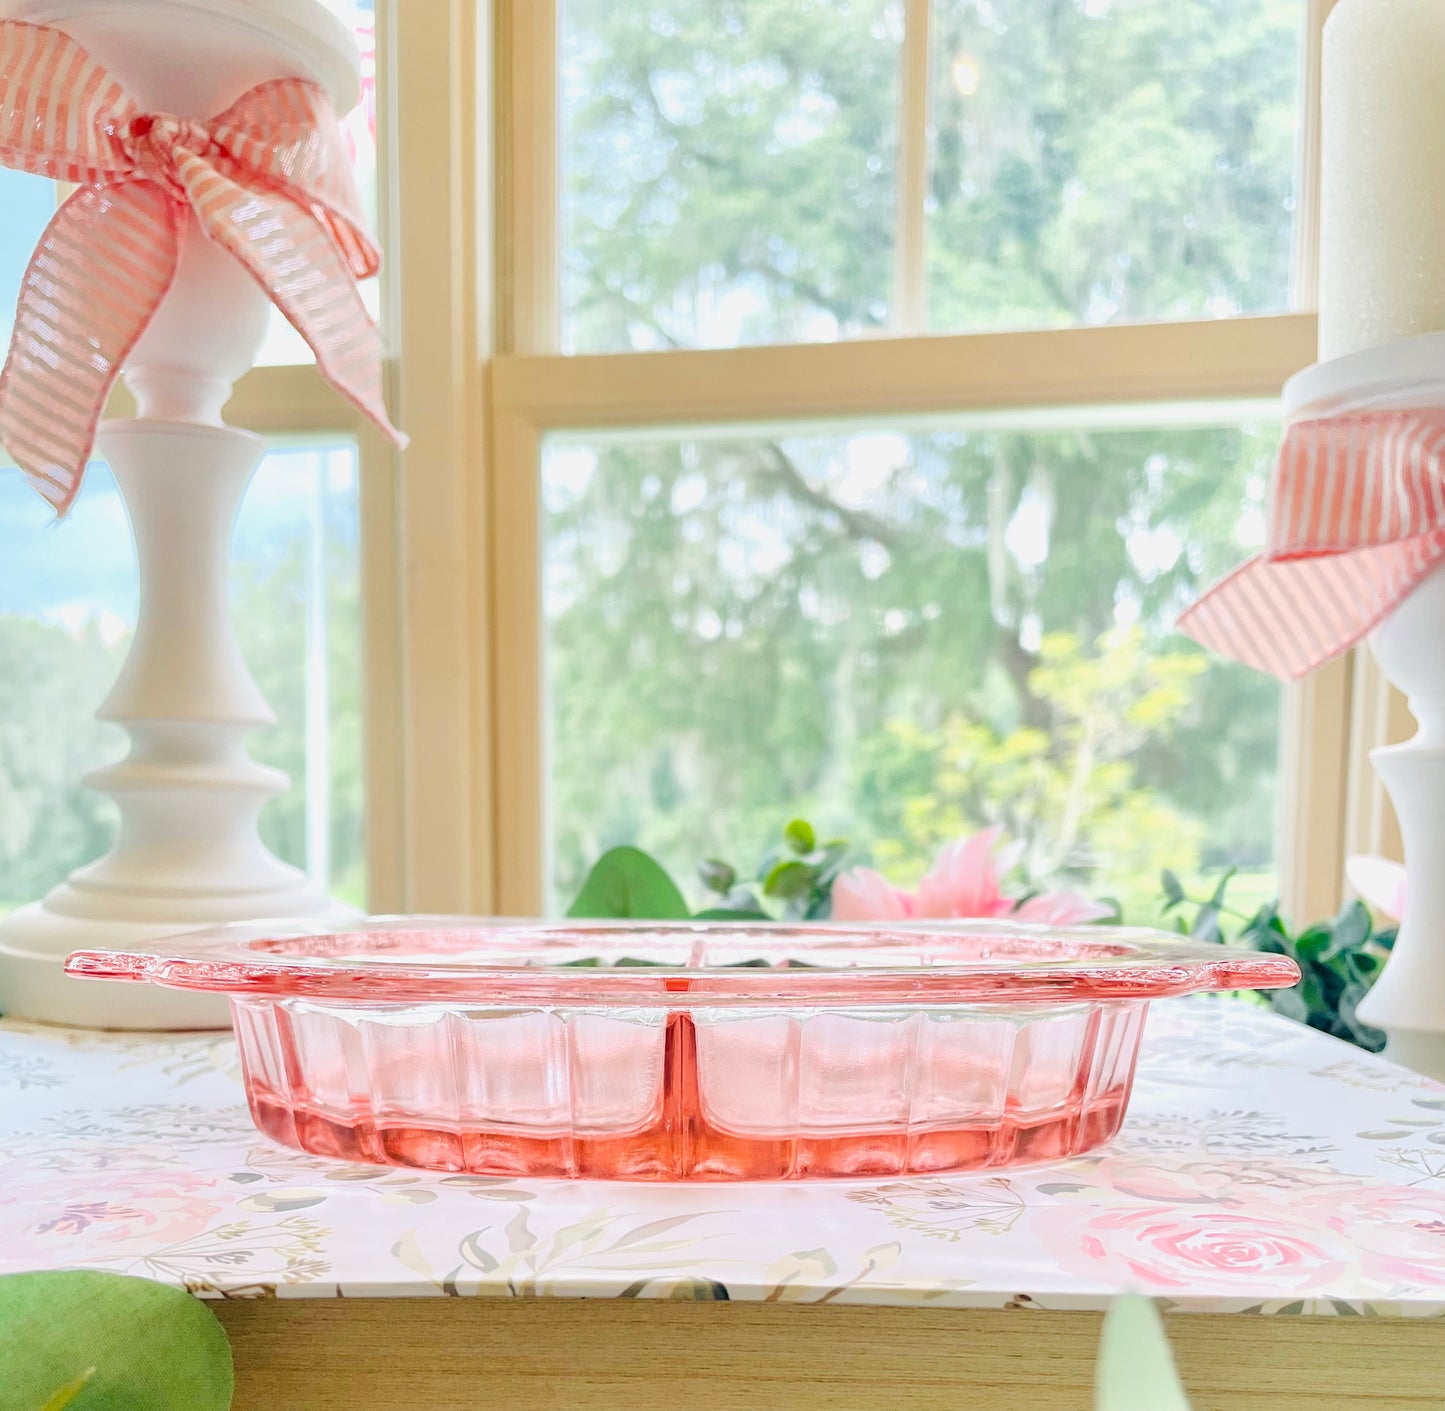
{"points": [[1318, 1191], [690, 1051]]}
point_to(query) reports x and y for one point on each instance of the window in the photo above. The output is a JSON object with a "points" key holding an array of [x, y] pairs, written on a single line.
{"points": [[1110, 160], [912, 363], [906, 636], [729, 172], [740, 173]]}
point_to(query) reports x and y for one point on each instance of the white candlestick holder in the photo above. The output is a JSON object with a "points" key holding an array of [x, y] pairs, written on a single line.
{"points": [[1408, 1000], [188, 853]]}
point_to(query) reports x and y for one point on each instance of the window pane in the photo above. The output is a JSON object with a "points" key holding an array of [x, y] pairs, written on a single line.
{"points": [[1102, 160], [727, 170], [905, 637], [67, 610], [296, 597], [283, 344], [26, 206]]}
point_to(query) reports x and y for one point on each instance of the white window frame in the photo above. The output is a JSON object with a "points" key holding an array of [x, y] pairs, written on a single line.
{"points": [[456, 769]]}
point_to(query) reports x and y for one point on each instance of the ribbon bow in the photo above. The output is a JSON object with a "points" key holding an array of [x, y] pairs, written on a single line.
{"points": [[1357, 521], [268, 180]]}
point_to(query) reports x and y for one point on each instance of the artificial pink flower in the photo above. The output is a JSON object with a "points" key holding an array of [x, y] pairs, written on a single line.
{"points": [[1380, 882], [1061, 909], [861, 894], [963, 882]]}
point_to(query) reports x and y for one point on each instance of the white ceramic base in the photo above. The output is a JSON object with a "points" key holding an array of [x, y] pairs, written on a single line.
{"points": [[36, 940]]}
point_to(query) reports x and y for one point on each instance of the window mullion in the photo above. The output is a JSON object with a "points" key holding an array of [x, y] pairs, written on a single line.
{"points": [[442, 269], [909, 270], [528, 209]]}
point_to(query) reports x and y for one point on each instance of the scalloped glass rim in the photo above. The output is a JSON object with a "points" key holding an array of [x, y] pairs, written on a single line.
{"points": [[450, 960]]}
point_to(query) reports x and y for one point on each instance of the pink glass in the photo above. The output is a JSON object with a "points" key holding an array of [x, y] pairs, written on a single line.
{"points": [[736, 1053]]}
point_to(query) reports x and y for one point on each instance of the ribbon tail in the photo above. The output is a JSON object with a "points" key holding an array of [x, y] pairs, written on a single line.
{"points": [[293, 257], [105, 262], [1286, 616]]}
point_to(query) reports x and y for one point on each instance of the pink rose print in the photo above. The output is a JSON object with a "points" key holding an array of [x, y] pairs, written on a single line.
{"points": [[1252, 1253], [50, 1219], [1399, 1230], [1212, 1181]]}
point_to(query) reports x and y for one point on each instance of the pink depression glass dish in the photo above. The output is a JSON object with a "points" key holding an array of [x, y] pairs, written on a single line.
{"points": [[689, 1051]]}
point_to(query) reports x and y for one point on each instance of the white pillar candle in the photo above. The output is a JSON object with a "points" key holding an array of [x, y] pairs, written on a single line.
{"points": [[1382, 198]]}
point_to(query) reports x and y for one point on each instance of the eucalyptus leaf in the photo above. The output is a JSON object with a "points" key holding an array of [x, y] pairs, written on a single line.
{"points": [[1351, 928], [717, 876], [799, 836], [1136, 1370], [790, 880], [1206, 924], [1217, 899], [627, 883], [110, 1342], [1339, 959]]}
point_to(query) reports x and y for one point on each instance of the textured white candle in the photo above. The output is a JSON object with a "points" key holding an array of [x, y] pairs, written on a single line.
{"points": [[1382, 199]]}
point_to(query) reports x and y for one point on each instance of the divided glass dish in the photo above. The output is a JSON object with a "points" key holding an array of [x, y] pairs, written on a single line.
{"points": [[689, 1051]]}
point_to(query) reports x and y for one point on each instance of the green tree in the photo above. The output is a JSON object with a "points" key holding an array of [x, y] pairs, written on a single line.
{"points": [[733, 625], [1070, 788]]}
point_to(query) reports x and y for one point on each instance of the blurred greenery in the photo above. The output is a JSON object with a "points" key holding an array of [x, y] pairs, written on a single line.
{"points": [[1339, 959], [730, 166], [906, 639], [51, 681]]}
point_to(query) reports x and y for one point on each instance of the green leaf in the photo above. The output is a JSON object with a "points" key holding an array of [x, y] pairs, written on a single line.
{"points": [[1288, 1003], [1206, 924], [1116, 911], [1136, 1368], [111, 1342], [718, 876], [1352, 927], [1217, 900], [69, 1391], [790, 880], [799, 836], [1173, 889], [626, 882]]}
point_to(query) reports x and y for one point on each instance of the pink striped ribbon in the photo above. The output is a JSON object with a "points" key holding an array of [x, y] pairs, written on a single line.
{"points": [[268, 180], [1357, 521]]}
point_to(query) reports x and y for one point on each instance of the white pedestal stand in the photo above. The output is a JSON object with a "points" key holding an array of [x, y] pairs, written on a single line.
{"points": [[188, 853], [1408, 1000]]}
